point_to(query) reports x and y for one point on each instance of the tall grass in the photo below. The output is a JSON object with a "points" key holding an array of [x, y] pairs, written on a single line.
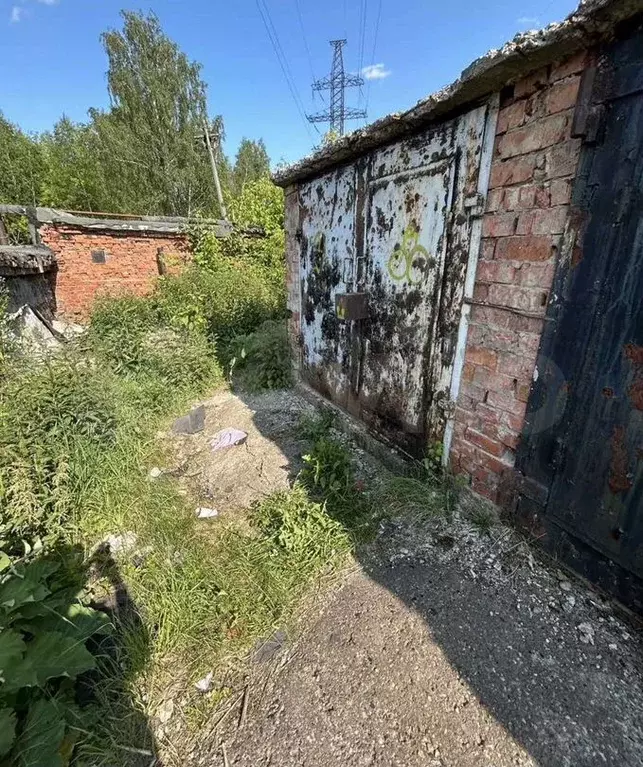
{"points": [[77, 439]]}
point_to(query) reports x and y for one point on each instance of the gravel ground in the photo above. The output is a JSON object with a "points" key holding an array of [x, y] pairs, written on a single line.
{"points": [[432, 655], [443, 647]]}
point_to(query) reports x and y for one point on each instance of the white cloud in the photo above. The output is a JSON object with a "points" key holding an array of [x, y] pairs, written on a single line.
{"points": [[375, 72], [529, 21], [48, 2], [16, 14]]}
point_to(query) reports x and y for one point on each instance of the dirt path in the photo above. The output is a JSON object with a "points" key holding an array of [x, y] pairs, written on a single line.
{"points": [[442, 649], [231, 480]]}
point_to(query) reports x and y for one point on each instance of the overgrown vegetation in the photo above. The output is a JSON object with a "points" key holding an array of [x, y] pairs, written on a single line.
{"points": [[7, 340], [263, 357], [45, 630], [76, 442]]}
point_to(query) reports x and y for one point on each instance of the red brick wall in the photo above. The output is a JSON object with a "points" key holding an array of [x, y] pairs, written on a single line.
{"points": [[130, 265], [534, 164]]}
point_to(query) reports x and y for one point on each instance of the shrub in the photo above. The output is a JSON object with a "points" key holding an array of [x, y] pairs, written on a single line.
{"points": [[229, 298], [260, 204], [328, 468], [44, 628], [264, 357], [7, 338], [133, 338]]}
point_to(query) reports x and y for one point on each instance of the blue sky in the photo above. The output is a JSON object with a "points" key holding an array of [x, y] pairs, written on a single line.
{"points": [[52, 62]]}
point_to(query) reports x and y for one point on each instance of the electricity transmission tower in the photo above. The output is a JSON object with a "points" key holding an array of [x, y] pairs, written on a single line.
{"points": [[336, 84]]}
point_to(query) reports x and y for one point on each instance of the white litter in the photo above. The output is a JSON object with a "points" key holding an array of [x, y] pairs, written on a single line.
{"points": [[203, 512], [155, 472], [204, 685], [228, 438]]}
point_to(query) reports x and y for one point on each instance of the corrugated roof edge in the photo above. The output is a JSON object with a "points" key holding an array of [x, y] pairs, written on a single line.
{"points": [[592, 22]]}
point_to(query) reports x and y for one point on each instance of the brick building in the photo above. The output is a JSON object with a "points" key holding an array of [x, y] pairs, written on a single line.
{"points": [[468, 274], [99, 254]]}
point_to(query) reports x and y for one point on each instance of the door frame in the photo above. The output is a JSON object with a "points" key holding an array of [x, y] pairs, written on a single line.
{"points": [[475, 237]]}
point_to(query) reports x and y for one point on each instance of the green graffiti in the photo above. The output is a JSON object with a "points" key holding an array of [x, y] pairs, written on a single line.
{"points": [[402, 261]]}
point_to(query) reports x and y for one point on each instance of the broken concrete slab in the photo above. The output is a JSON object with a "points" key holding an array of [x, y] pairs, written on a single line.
{"points": [[34, 334], [25, 259], [192, 423]]}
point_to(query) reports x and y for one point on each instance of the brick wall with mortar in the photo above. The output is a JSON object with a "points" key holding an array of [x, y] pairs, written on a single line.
{"points": [[130, 264], [293, 265], [533, 168]]}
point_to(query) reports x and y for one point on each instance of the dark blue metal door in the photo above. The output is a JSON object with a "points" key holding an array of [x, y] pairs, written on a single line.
{"points": [[581, 458]]}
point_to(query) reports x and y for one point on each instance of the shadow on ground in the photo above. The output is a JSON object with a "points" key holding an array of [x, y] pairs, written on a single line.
{"points": [[122, 734], [448, 648]]}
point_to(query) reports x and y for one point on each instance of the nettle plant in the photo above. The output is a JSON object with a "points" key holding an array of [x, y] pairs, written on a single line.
{"points": [[7, 336], [44, 628]]}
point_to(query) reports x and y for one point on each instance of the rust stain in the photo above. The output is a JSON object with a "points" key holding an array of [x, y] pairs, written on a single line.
{"points": [[634, 353], [619, 478], [391, 225], [578, 220]]}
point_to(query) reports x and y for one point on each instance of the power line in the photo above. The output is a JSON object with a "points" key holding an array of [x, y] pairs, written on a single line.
{"points": [[362, 40], [281, 56], [303, 34], [283, 63], [377, 28]]}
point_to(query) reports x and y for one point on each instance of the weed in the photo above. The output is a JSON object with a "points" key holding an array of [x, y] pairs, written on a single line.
{"points": [[42, 651], [263, 357], [7, 337], [76, 438], [292, 523], [411, 496], [328, 473], [49, 416], [228, 299], [328, 469], [314, 427], [127, 334], [482, 516]]}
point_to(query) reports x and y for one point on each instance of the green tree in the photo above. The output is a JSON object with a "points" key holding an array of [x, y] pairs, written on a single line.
{"points": [[149, 137], [74, 177], [251, 163], [20, 166]]}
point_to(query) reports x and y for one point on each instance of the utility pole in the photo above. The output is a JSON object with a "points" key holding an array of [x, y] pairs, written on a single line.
{"points": [[215, 172], [336, 84]]}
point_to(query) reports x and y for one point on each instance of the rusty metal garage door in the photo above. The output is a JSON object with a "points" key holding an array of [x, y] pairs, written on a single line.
{"points": [[582, 454], [400, 228]]}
